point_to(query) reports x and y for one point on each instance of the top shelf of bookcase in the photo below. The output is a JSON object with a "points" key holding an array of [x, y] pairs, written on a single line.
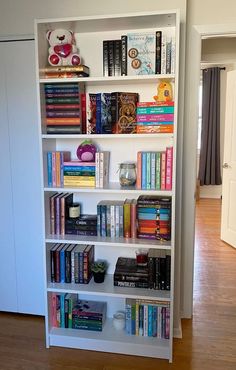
{"points": [[144, 79], [112, 22]]}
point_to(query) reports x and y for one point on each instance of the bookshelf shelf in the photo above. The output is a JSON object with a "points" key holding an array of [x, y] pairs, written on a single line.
{"points": [[113, 188], [110, 136], [112, 242], [89, 33], [124, 80], [107, 288], [108, 339]]}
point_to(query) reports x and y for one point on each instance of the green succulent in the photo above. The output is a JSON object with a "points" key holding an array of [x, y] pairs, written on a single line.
{"points": [[99, 266]]}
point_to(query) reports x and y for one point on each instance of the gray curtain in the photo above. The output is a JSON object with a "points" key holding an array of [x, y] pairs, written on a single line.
{"points": [[209, 166]]}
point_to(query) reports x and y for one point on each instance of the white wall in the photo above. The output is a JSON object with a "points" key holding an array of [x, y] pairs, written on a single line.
{"points": [[16, 18]]}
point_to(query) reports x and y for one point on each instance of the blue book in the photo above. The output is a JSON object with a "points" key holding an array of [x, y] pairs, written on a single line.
{"points": [[62, 310], [148, 210], [98, 113], [106, 120], [79, 168], [150, 318], [147, 216], [154, 321], [63, 264], [144, 171], [140, 320], [49, 163], [128, 316]]}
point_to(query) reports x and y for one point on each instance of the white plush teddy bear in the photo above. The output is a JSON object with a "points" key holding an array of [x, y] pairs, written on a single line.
{"points": [[62, 51]]}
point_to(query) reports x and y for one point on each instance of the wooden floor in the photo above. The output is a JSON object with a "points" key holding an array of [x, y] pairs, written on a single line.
{"points": [[209, 340]]}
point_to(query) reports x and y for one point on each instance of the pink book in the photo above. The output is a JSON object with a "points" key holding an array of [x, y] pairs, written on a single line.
{"points": [[163, 170], [165, 117], [54, 177], [169, 164], [139, 171], [155, 104], [53, 310]]}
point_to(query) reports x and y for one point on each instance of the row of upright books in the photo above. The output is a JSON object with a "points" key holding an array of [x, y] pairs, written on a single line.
{"points": [[62, 171], [140, 53], [71, 263], [153, 274], [147, 318], [68, 311], [154, 170]]}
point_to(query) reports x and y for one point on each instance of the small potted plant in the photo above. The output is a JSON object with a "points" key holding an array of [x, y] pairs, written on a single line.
{"points": [[99, 270]]}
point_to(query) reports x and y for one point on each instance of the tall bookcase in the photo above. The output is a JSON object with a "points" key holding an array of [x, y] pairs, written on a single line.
{"points": [[90, 33]]}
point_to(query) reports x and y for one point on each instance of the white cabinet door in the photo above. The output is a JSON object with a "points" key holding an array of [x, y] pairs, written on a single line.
{"points": [[25, 169], [8, 293]]}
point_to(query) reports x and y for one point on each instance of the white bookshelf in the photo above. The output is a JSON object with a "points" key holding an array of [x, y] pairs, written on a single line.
{"points": [[89, 34]]}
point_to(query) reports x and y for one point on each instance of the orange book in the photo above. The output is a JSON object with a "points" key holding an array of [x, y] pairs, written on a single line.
{"points": [[63, 121], [159, 129], [58, 169]]}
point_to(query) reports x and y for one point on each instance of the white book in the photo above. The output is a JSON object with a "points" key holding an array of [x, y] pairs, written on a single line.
{"points": [[104, 160], [97, 170]]}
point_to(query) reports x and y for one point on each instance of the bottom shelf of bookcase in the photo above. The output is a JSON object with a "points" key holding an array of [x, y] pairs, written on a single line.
{"points": [[110, 340]]}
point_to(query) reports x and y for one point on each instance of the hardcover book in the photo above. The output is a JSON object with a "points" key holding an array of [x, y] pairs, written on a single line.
{"points": [[141, 53], [123, 112]]}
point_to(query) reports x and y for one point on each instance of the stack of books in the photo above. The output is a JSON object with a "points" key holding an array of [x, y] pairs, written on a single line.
{"points": [[63, 108], [84, 225], [71, 263], [154, 217], [147, 318], [79, 174], [154, 170], [64, 71], [129, 274], [55, 162], [155, 117], [89, 315]]}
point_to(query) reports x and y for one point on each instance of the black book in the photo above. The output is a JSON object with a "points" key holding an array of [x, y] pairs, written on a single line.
{"points": [[117, 57], [124, 55], [105, 58], [63, 129], [129, 266], [158, 51], [68, 262], [168, 272], [131, 284], [111, 64]]}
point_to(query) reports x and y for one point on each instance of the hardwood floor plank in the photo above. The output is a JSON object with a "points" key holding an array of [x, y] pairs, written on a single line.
{"points": [[209, 339]]}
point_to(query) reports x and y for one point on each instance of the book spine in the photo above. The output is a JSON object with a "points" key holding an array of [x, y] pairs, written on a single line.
{"points": [[139, 171], [54, 181], [58, 169], [158, 51], [165, 117], [62, 310], [98, 113], [82, 113], [105, 58], [117, 57], [124, 55], [144, 170], [53, 308], [111, 64], [62, 265], [163, 54], [169, 165], [153, 170], [133, 218], [168, 55], [148, 171], [155, 110], [49, 168], [57, 215], [68, 266], [97, 172], [163, 170], [128, 316], [127, 226]]}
